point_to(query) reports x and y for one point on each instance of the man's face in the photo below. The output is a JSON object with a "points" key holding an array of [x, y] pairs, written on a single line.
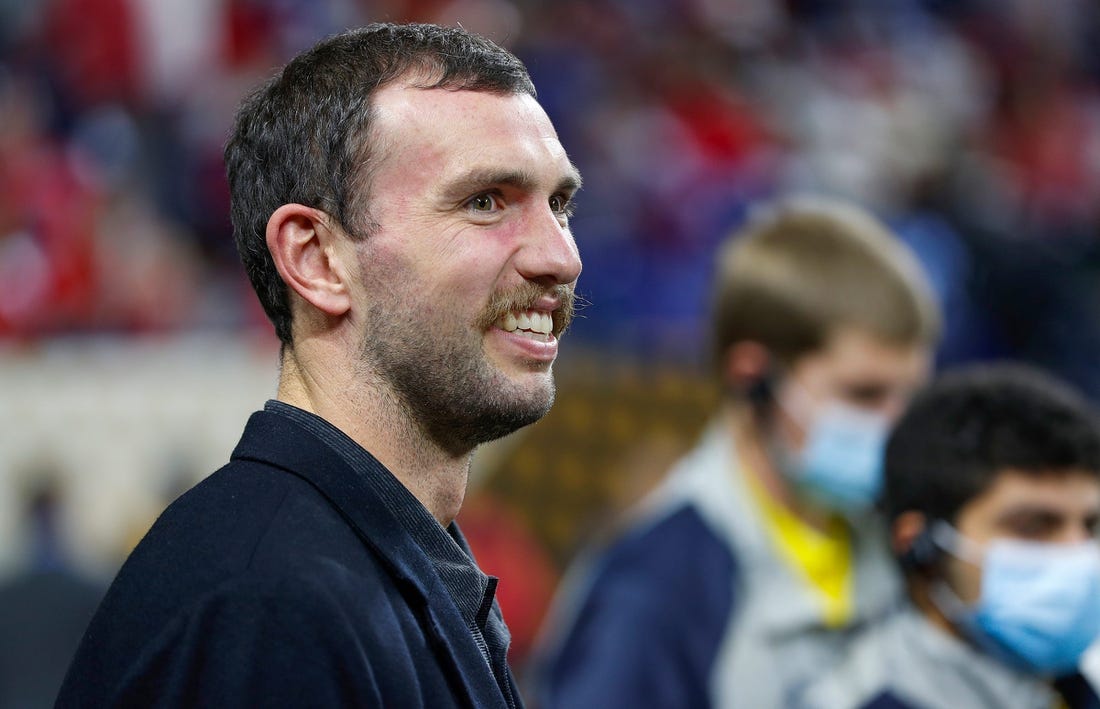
{"points": [[466, 282], [1061, 507], [857, 369]]}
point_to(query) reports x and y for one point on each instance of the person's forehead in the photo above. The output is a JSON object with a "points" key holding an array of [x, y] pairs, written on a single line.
{"points": [[853, 352], [854, 341], [449, 130], [411, 96], [1064, 492]]}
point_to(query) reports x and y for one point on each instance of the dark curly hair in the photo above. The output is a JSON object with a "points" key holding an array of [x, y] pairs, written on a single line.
{"points": [[304, 136], [975, 422]]}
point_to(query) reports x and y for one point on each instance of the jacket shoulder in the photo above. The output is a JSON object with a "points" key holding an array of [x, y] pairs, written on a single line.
{"points": [[252, 559], [265, 639], [669, 586]]}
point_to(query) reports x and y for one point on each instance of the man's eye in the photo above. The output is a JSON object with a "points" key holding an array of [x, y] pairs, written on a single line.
{"points": [[482, 203], [1037, 525], [561, 205], [867, 395]]}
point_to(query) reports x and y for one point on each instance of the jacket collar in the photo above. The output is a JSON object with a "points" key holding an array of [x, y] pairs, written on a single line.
{"points": [[276, 440]]}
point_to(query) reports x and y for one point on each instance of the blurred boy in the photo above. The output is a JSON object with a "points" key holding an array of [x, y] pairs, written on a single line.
{"points": [[742, 575], [993, 492]]}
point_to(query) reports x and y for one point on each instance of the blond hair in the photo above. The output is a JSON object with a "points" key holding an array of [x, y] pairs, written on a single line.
{"points": [[803, 268]]}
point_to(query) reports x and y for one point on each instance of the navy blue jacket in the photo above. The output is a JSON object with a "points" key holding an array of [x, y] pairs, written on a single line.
{"points": [[281, 580]]}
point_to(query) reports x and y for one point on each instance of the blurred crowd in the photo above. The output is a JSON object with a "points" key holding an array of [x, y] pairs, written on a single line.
{"points": [[972, 126]]}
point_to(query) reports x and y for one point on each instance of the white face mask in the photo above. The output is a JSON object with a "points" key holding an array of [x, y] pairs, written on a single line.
{"points": [[1039, 607]]}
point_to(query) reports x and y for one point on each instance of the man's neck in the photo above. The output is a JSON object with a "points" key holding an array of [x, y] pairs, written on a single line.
{"points": [[920, 594], [365, 408]]}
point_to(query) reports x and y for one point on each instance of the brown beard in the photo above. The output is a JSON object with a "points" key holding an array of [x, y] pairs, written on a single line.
{"points": [[442, 379]]}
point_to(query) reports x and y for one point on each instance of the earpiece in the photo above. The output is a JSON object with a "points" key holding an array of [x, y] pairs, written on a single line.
{"points": [[761, 391], [922, 553], [748, 371]]}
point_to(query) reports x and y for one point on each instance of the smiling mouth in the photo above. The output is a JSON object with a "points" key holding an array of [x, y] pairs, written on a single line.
{"points": [[536, 324]]}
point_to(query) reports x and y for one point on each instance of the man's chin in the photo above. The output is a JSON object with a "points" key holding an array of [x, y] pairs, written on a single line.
{"points": [[532, 390], [520, 404], [513, 421], [505, 406]]}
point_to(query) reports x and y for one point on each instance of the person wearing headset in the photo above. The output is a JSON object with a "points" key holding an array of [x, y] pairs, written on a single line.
{"points": [[747, 570], [992, 490]]}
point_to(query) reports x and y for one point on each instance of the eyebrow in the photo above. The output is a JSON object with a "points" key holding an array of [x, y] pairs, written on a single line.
{"points": [[1031, 512], [479, 178]]}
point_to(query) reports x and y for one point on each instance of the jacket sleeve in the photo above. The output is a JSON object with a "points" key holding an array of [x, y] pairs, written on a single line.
{"points": [[1077, 692], [649, 627], [254, 644]]}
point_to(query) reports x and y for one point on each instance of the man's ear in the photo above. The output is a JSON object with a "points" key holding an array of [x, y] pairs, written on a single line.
{"points": [[302, 243], [747, 366], [907, 527], [912, 541]]}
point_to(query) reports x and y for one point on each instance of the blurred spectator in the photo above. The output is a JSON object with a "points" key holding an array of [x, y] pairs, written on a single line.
{"points": [[44, 610], [746, 571], [971, 126], [983, 116], [993, 498], [46, 224]]}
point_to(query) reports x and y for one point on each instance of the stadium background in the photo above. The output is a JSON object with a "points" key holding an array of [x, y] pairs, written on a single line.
{"points": [[132, 349]]}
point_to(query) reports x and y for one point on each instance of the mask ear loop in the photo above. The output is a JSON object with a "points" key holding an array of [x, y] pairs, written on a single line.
{"points": [[946, 537], [801, 406], [777, 447], [949, 539], [948, 602]]}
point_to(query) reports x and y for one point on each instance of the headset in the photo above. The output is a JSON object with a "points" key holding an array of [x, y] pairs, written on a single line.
{"points": [[923, 553], [761, 391]]}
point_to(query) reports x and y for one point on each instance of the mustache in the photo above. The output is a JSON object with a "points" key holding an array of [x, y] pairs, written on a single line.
{"points": [[524, 297]]}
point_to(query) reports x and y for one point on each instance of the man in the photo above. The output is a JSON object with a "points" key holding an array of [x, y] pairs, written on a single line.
{"points": [[401, 204], [743, 573], [993, 493], [44, 607]]}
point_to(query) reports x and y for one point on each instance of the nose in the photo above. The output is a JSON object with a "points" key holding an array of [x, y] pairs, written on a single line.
{"points": [[1079, 534], [548, 254], [894, 408], [894, 403]]}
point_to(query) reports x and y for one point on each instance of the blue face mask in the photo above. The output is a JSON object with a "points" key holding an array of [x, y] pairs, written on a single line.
{"points": [[841, 462], [1039, 607]]}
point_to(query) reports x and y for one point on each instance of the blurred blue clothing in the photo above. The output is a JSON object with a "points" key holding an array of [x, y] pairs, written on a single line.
{"points": [[907, 662], [648, 632], [694, 607]]}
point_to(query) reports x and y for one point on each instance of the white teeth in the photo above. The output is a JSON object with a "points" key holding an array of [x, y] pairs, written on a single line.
{"points": [[532, 320]]}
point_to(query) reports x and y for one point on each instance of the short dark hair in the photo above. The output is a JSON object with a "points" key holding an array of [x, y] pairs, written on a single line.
{"points": [[304, 135], [974, 423]]}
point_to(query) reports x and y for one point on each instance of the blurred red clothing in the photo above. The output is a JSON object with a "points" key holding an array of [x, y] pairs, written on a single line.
{"points": [[47, 231], [505, 548], [94, 45]]}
